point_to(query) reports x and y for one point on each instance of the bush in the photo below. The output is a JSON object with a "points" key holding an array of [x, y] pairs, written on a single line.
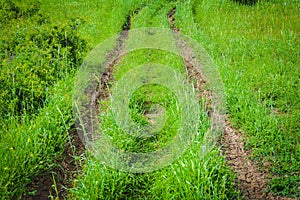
{"points": [[10, 9], [33, 57]]}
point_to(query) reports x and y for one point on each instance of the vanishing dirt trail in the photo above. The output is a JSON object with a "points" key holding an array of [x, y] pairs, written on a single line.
{"points": [[44, 185], [251, 181]]}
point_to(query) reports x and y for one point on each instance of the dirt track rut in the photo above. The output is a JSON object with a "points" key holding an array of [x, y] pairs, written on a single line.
{"points": [[251, 181]]}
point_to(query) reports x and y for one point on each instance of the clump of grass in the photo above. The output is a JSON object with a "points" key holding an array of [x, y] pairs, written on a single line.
{"points": [[141, 102], [195, 177]]}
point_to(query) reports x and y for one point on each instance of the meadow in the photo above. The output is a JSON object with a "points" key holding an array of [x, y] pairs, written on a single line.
{"points": [[43, 44]]}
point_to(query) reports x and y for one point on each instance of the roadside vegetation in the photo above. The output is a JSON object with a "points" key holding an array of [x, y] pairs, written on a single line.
{"points": [[256, 48], [38, 59]]}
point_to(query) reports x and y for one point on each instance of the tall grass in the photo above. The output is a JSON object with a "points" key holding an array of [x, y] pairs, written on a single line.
{"points": [[29, 145], [36, 85], [191, 176], [30, 141], [257, 50]]}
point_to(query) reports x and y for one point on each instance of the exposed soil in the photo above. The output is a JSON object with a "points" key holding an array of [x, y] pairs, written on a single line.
{"points": [[66, 170], [106, 78], [251, 181], [192, 65]]}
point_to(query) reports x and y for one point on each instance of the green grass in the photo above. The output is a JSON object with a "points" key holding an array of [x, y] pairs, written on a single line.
{"points": [[257, 51], [190, 177], [30, 144], [37, 69], [103, 18], [31, 141]]}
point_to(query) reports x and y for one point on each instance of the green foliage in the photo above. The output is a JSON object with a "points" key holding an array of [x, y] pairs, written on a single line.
{"points": [[256, 49], [140, 103], [16, 9], [189, 177], [34, 55], [254, 46], [194, 177], [37, 61], [29, 145], [286, 186], [246, 2]]}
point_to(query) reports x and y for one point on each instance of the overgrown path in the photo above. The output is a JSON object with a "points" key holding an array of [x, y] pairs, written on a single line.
{"points": [[251, 181]]}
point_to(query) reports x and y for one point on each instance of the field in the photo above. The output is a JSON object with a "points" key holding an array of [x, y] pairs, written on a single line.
{"points": [[243, 68]]}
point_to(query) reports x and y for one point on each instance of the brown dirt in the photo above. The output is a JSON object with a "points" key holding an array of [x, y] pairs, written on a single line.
{"points": [[251, 181], [192, 65], [66, 170], [106, 78]]}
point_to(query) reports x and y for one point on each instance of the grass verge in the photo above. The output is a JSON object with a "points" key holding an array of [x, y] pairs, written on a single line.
{"points": [[256, 48]]}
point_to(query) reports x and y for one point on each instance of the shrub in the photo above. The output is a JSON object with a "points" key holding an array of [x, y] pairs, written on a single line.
{"points": [[14, 9], [33, 57]]}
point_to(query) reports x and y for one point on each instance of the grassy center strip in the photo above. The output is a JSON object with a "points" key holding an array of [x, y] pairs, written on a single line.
{"points": [[189, 177]]}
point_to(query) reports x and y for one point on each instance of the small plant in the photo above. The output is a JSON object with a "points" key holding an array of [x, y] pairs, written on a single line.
{"points": [[246, 2]]}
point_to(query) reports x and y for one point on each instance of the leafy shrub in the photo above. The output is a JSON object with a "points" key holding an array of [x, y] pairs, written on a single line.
{"points": [[14, 9], [33, 57]]}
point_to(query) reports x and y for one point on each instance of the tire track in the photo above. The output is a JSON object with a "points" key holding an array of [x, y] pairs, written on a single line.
{"points": [[43, 185], [99, 91], [251, 181]]}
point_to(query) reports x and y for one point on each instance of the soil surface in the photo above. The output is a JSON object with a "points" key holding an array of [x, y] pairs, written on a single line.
{"points": [[43, 187], [252, 181]]}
